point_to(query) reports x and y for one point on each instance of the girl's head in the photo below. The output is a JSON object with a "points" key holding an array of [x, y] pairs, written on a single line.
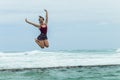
{"points": [[41, 19]]}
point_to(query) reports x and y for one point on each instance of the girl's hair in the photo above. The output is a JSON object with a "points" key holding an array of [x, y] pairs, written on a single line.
{"points": [[41, 17]]}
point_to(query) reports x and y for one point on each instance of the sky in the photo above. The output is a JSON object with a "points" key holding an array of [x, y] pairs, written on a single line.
{"points": [[73, 24]]}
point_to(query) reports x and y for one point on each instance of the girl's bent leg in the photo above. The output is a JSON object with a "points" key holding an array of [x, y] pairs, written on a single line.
{"points": [[40, 43], [46, 43]]}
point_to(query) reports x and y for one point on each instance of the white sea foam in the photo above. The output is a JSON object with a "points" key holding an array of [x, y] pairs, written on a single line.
{"points": [[40, 59], [118, 50]]}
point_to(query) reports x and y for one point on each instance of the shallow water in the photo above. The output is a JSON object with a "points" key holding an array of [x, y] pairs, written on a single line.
{"points": [[76, 73]]}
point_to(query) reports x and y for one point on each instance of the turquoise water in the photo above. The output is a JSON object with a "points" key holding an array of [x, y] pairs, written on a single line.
{"points": [[78, 73], [106, 68]]}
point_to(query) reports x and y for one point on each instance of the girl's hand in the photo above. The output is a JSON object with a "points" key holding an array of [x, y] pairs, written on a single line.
{"points": [[45, 10], [26, 20]]}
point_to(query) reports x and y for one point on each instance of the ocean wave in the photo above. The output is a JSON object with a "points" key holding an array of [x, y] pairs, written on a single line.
{"points": [[118, 50], [46, 59], [65, 51], [90, 51]]}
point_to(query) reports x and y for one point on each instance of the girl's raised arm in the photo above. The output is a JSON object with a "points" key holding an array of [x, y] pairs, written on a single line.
{"points": [[34, 24]]}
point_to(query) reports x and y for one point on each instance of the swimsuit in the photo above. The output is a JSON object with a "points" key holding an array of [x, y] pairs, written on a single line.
{"points": [[43, 35]]}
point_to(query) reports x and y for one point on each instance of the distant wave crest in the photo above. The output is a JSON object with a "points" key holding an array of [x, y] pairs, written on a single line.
{"points": [[118, 50]]}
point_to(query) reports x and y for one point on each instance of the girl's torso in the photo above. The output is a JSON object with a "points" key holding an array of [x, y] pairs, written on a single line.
{"points": [[43, 28]]}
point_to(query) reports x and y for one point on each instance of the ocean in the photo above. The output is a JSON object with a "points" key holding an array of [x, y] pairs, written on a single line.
{"points": [[60, 65]]}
